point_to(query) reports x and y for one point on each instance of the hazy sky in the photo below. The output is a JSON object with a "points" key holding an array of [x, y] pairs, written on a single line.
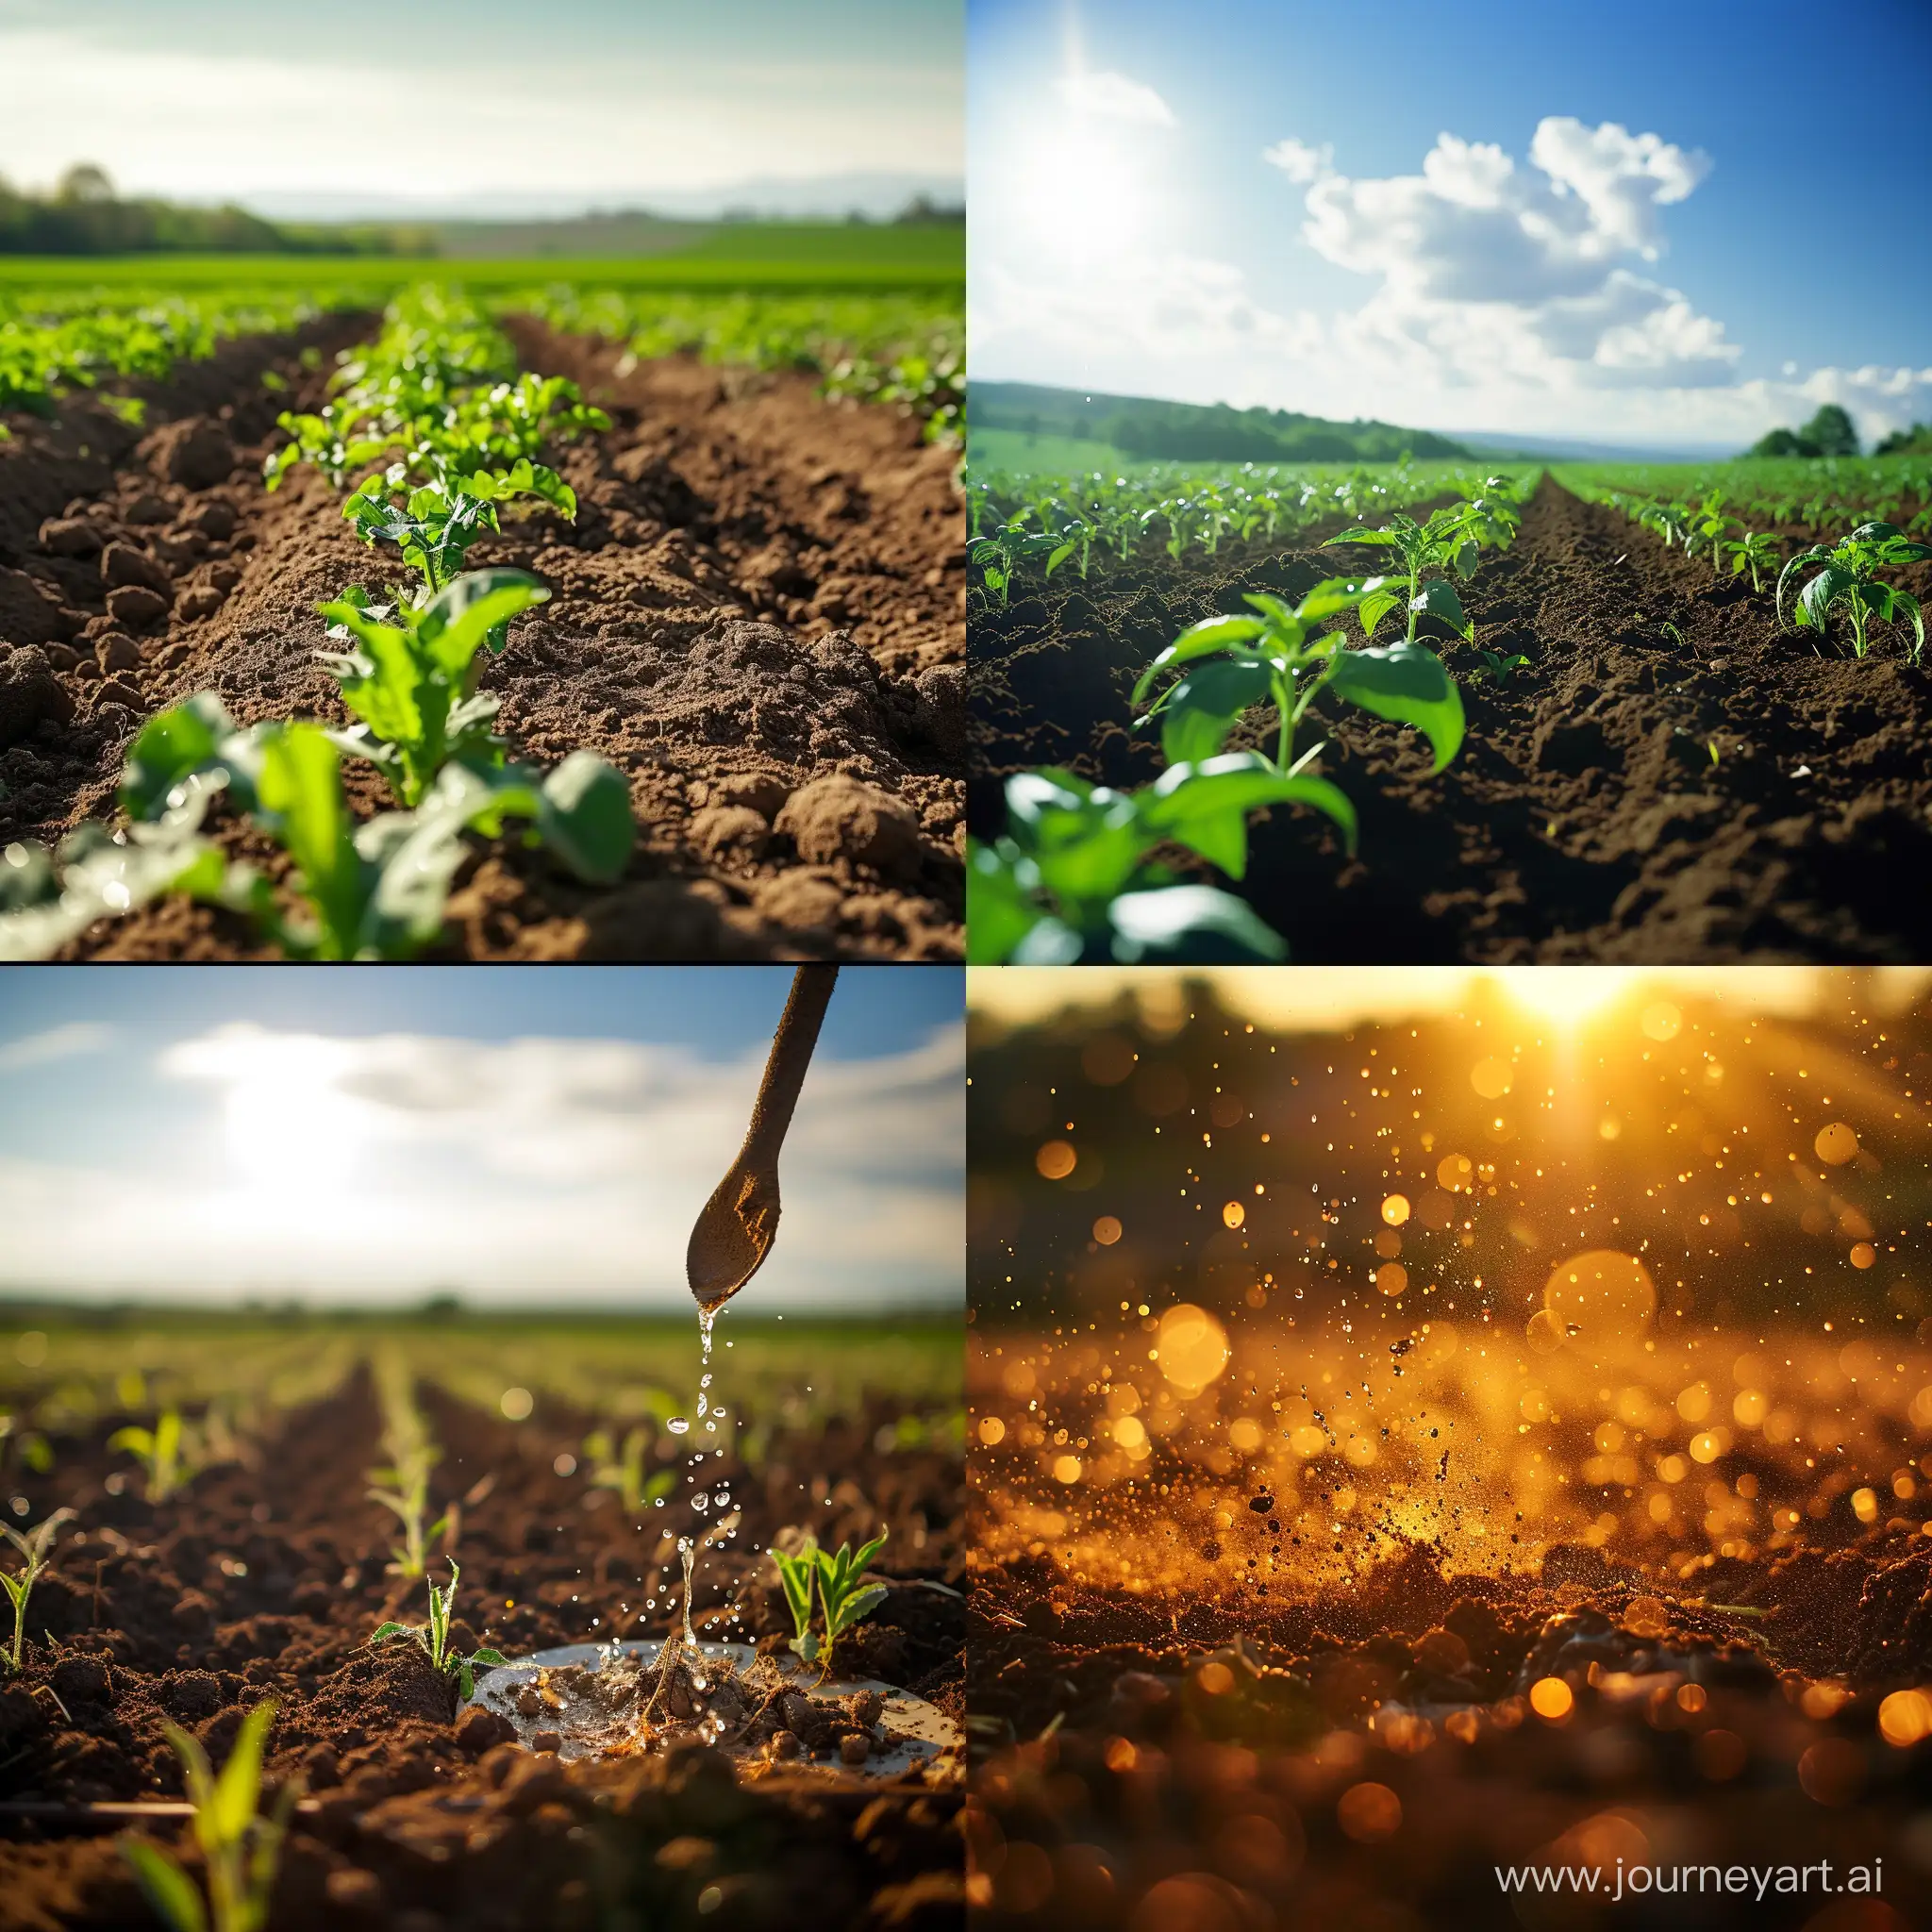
{"points": [[516, 1134], [595, 100], [1669, 225]]}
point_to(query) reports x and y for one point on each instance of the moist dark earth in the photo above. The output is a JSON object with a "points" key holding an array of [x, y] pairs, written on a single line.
{"points": [[1585, 817], [757, 616], [1123, 1781], [266, 1577]]}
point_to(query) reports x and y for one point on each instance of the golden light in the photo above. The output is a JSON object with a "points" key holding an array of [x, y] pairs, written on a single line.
{"points": [[1905, 1718], [1661, 1021], [1233, 1214], [1391, 1277], [1368, 1813], [1192, 1346], [1600, 1298], [1550, 1699], [1836, 1143], [288, 1127], [1491, 1078], [1107, 1230], [993, 1431], [1863, 1254], [1066, 1469], [1567, 996], [1395, 1209], [1055, 1161]]}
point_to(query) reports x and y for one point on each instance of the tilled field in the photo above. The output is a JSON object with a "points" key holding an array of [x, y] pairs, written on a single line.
{"points": [[757, 616], [1725, 793], [266, 1579]]}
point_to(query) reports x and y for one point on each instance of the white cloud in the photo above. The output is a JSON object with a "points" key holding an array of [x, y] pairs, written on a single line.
{"points": [[1114, 97], [1298, 161], [56, 1043], [515, 1170], [1510, 295]]}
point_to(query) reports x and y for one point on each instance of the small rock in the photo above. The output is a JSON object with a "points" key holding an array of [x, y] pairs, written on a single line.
{"points": [[839, 817], [353, 1890], [61, 657], [78, 1680], [115, 691], [148, 508], [803, 901], [225, 576], [70, 537], [193, 1693], [940, 711], [196, 453], [136, 606], [527, 1699], [200, 600], [478, 1729], [733, 829], [748, 790], [546, 1741], [117, 651], [122, 563], [29, 693], [213, 519], [785, 1744], [867, 1707], [854, 1747]]}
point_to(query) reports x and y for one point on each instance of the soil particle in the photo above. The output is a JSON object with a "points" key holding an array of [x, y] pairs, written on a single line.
{"points": [[840, 818], [196, 453], [30, 695]]}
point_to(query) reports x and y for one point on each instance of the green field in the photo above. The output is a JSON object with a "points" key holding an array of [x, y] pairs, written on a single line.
{"points": [[780, 255]]}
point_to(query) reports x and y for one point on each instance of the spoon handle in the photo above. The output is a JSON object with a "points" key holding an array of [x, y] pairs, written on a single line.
{"points": [[785, 1068]]}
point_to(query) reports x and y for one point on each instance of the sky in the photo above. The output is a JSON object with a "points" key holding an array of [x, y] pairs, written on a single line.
{"points": [[490, 107], [1672, 225], [1320, 999], [517, 1135]]}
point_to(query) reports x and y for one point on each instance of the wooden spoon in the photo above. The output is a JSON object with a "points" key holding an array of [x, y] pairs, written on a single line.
{"points": [[735, 1232]]}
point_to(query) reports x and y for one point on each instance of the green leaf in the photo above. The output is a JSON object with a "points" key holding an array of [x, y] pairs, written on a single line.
{"points": [[238, 1788], [1408, 684], [173, 746], [999, 912], [1205, 807], [302, 789], [461, 617], [859, 1605], [586, 817], [1816, 599], [1199, 641], [1203, 706], [169, 1888], [384, 1632], [1373, 610], [1186, 926], [1385, 537], [1049, 942], [1438, 598]]}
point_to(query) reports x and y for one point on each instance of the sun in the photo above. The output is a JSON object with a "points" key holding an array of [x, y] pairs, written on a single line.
{"points": [[289, 1128], [1567, 997]]}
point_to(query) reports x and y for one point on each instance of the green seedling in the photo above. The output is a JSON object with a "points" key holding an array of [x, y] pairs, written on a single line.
{"points": [[1000, 555], [622, 1469], [33, 1545], [1849, 576], [1070, 882], [409, 1502], [1756, 551], [1706, 528], [434, 1639], [834, 1583], [1500, 669], [159, 1450], [242, 1846], [434, 524], [1450, 541], [411, 676]]}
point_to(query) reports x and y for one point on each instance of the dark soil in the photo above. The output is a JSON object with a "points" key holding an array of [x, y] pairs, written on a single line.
{"points": [[757, 615], [265, 1579], [1125, 1780], [1584, 818]]}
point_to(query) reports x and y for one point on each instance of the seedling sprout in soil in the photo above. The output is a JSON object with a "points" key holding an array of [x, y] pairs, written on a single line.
{"points": [[1451, 540], [242, 1846], [33, 1545], [1849, 577], [433, 1636], [159, 1450], [834, 1583]]}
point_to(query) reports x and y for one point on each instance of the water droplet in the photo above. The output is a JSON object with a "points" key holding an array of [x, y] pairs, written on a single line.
{"points": [[678, 1425]]}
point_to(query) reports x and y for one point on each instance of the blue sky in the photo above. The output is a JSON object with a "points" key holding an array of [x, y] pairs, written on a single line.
{"points": [[518, 1133], [492, 104], [1130, 233]]}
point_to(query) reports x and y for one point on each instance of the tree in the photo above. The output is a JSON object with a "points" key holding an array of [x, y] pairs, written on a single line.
{"points": [[1831, 432], [84, 182]]}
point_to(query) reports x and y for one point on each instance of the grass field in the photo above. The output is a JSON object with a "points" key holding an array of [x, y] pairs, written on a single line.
{"points": [[751, 256]]}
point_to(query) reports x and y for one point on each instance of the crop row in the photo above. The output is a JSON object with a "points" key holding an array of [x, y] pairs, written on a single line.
{"points": [[440, 429], [1073, 880], [1825, 494], [1018, 525]]}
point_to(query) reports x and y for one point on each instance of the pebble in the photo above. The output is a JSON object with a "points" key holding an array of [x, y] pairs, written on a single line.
{"points": [[837, 817]]}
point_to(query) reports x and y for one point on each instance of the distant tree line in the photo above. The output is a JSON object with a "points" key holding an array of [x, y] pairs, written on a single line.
{"points": [[84, 216], [1832, 433], [1194, 432]]}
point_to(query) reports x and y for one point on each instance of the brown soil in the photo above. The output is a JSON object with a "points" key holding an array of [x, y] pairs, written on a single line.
{"points": [[757, 615], [266, 1580], [1584, 818], [1122, 1776]]}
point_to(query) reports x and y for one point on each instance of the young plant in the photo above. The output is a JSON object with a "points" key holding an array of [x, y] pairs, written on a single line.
{"points": [[1498, 667], [403, 1487], [1705, 530], [835, 1582], [1849, 576], [434, 524], [622, 1469], [1754, 551], [159, 1451], [434, 1639], [1450, 541], [241, 1845], [412, 681], [33, 1545]]}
